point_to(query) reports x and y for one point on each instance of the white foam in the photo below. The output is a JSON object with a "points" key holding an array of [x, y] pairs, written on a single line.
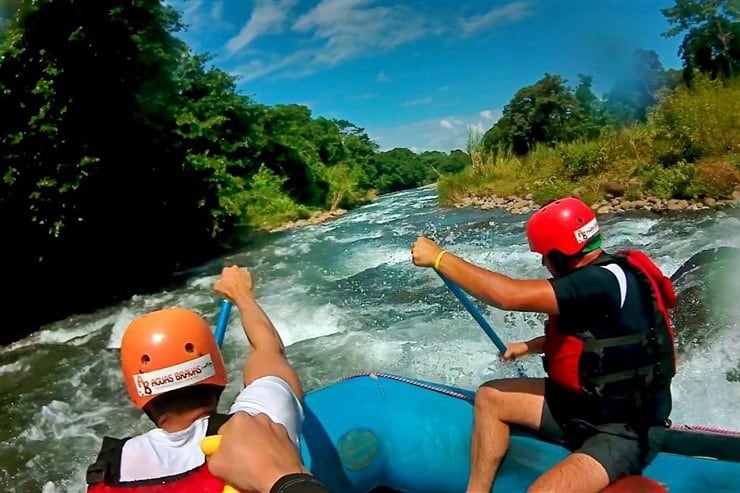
{"points": [[14, 367], [702, 395], [354, 238], [633, 231], [202, 301], [123, 318], [369, 258], [59, 333], [292, 250], [299, 323]]}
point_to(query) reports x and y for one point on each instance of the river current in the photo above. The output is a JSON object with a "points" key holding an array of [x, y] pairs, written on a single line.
{"points": [[346, 298]]}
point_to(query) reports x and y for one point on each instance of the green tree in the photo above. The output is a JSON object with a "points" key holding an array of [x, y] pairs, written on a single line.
{"points": [[91, 173], [711, 41], [437, 162], [119, 147], [590, 106], [217, 131], [398, 169], [546, 112]]}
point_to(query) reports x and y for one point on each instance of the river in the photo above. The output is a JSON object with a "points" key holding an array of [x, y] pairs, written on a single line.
{"points": [[346, 298]]}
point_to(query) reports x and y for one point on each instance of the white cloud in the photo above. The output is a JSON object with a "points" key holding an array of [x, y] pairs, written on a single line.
{"points": [[487, 114], [511, 12], [268, 17], [335, 31], [255, 68], [350, 28], [200, 17], [477, 127], [191, 11], [442, 134], [217, 10]]}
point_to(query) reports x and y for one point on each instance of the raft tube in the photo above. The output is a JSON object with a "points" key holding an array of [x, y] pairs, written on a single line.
{"points": [[381, 432]]}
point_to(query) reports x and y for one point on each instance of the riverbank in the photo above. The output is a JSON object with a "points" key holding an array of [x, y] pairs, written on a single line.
{"points": [[610, 204], [315, 218]]}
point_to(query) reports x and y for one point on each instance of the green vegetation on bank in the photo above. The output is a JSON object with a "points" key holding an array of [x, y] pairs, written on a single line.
{"points": [[663, 133], [688, 147], [125, 157]]}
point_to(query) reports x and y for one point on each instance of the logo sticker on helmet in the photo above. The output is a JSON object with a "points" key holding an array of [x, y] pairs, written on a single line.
{"points": [[585, 232], [174, 377]]}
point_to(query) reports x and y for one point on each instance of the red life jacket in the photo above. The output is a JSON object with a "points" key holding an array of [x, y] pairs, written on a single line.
{"points": [[200, 480], [576, 362], [104, 475]]}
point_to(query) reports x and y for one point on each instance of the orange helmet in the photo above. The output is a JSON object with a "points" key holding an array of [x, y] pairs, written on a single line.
{"points": [[166, 350]]}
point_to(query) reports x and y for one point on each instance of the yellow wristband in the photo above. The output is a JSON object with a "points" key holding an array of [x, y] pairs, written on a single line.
{"points": [[439, 259]]}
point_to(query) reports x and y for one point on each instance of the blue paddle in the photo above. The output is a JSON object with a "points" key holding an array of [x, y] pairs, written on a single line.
{"points": [[210, 443], [223, 321], [478, 316]]}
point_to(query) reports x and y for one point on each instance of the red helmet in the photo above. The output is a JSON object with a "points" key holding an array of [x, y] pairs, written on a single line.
{"points": [[565, 225]]}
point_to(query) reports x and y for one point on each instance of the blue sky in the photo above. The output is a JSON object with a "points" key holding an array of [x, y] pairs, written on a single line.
{"points": [[418, 74]]}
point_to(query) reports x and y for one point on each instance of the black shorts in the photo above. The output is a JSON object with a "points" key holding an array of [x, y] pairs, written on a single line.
{"points": [[616, 446]]}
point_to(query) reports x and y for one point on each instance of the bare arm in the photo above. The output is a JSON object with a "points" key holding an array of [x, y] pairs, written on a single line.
{"points": [[500, 290], [260, 331], [268, 355], [236, 284], [536, 345]]}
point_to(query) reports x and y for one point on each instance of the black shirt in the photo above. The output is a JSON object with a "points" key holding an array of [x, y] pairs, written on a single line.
{"points": [[610, 301]]}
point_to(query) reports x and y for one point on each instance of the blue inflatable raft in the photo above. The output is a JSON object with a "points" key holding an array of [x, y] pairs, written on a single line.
{"points": [[387, 433]]}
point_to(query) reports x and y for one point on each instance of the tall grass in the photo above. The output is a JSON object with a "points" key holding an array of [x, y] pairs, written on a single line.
{"points": [[689, 147]]}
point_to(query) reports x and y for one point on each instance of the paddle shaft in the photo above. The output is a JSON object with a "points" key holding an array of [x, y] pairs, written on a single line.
{"points": [[210, 444], [478, 316], [474, 312], [223, 321]]}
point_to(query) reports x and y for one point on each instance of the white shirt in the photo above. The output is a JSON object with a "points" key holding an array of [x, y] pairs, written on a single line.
{"points": [[158, 453]]}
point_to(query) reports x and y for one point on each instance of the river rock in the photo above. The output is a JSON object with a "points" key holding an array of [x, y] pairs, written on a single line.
{"points": [[613, 188], [677, 204], [579, 192], [519, 204]]}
